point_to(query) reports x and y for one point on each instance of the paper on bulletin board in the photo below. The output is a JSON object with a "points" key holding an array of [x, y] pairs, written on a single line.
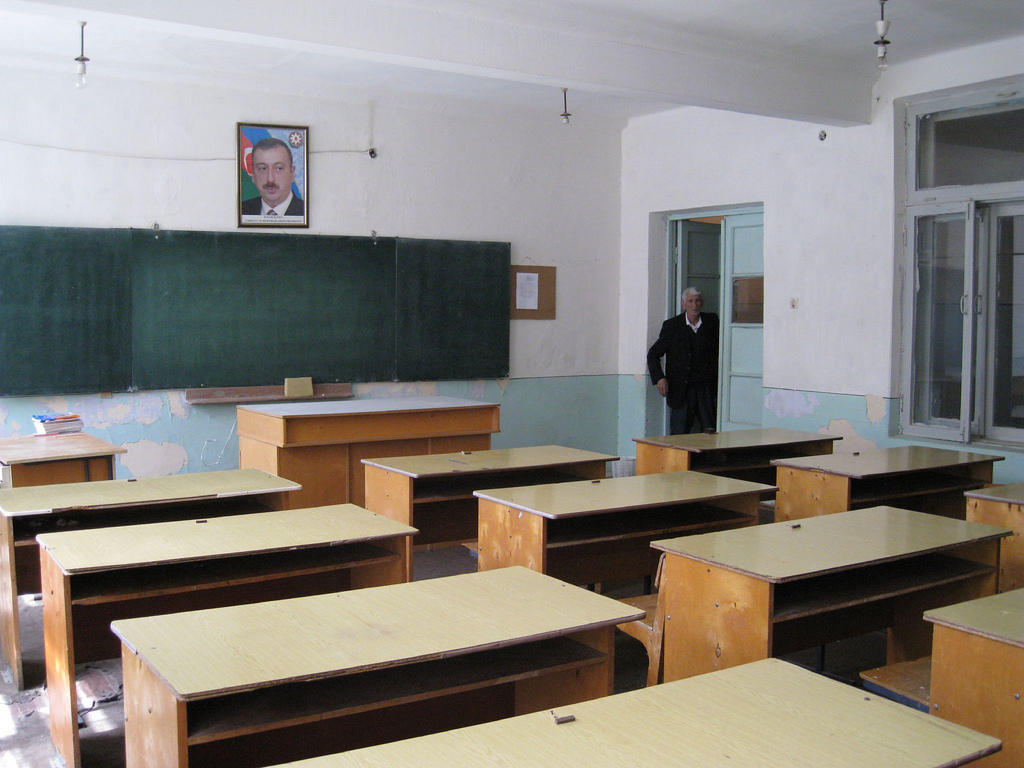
{"points": [[527, 290], [532, 291]]}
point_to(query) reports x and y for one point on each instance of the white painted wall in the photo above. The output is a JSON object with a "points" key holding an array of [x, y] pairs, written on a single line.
{"points": [[444, 170], [828, 234]]}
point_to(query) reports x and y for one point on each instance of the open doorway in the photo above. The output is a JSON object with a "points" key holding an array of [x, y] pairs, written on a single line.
{"points": [[723, 256]]}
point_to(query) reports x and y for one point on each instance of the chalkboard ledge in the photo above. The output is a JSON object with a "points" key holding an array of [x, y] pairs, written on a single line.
{"points": [[267, 394]]}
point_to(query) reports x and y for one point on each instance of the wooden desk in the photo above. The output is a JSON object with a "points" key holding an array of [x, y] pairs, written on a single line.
{"points": [[737, 596], [745, 454], [284, 680], [44, 460], [913, 477], [1003, 505], [599, 530], [322, 444], [978, 669], [435, 493], [93, 576], [27, 512], [769, 713]]}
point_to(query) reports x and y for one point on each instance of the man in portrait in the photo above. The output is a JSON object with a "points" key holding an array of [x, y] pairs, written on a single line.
{"points": [[273, 171]]}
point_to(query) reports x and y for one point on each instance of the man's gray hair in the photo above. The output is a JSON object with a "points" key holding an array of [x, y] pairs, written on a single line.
{"points": [[692, 291]]}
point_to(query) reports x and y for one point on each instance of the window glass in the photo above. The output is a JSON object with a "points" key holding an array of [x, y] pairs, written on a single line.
{"points": [[976, 145], [748, 299], [1008, 324]]}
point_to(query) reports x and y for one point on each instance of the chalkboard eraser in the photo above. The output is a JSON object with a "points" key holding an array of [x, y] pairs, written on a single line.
{"points": [[299, 387]]}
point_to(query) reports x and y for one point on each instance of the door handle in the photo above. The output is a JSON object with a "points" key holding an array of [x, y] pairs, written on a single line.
{"points": [[963, 304]]}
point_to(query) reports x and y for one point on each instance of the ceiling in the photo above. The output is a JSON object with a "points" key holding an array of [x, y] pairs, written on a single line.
{"points": [[804, 59]]}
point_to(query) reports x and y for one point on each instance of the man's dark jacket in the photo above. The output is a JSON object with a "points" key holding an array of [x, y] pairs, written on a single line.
{"points": [[690, 358]]}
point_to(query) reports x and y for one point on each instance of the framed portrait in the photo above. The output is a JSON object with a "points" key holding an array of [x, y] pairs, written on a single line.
{"points": [[273, 169]]}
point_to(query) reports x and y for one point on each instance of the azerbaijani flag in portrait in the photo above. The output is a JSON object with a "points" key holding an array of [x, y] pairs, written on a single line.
{"points": [[249, 136]]}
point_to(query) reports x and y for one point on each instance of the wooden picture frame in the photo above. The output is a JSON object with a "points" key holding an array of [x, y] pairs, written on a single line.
{"points": [[532, 293], [272, 192]]}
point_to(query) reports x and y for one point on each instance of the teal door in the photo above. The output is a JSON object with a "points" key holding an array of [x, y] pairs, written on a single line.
{"points": [[740, 398]]}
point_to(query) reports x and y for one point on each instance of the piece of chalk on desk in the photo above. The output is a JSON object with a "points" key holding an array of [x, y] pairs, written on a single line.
{"points": [[560, 719], [299, 387]]}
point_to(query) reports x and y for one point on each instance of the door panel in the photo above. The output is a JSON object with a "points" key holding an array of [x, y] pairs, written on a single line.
{"points": [[741, 398]]}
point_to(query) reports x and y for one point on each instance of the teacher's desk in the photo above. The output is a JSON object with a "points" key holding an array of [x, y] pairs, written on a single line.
{"points": [[49, 459], [321, 444]]}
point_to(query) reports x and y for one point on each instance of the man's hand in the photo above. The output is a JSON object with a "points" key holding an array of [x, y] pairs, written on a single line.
{"points": [[662, 386]]}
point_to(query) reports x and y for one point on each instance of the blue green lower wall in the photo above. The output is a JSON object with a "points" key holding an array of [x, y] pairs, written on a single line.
{"points": [[163, 434]]}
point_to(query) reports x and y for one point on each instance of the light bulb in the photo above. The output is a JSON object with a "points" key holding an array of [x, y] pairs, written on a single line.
{"points": [[80, 77]]}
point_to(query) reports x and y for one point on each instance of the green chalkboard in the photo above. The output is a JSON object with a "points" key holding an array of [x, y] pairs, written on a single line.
{"points": [[89, 310], [453, 318], [65, 310], [235, 310]]}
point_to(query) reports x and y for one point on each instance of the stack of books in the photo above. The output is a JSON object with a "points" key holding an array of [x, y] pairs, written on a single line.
{"points": [[57, 423]]}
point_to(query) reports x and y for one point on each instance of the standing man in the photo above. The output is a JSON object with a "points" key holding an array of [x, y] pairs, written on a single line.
{"points": [[273, 172], [689, 342]]}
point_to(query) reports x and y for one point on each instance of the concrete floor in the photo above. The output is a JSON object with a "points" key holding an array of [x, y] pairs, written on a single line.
{"points": [[24, 724]]}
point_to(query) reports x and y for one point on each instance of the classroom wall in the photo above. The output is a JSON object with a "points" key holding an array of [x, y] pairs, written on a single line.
{"points": [[832, 364], [131, 153]]}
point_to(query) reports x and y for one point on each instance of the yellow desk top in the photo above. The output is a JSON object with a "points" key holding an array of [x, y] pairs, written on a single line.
{"points": [[1000, 617], [593, 497], [437, 464], [200, 654], [887, 461], [99, 549], [28, 449], [1010, 494], [787, 551], [768, 713], [107, 494], [735, 439], [367, 405]]}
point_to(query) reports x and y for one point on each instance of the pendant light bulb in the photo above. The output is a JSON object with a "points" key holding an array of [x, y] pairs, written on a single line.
{"points": [[81, 59], [566, 114]]}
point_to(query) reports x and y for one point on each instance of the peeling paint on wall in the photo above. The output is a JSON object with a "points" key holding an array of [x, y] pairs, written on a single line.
{"points": [[851, 440], [787, 403], [177, 405], [876, 407], [146, 458]]}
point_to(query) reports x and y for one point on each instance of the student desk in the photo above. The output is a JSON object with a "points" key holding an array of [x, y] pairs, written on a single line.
{"points": [[93, 576], [49, 459], [915, 477], [768, 713], [1003, 505], [435, 493], [978, 669], [733, 597], [745, 454], [322, 444], [591, 531], [27, 512], [257, 684]]}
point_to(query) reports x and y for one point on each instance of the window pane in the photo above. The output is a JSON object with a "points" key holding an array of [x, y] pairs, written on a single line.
{"points": [[1008, 324], [748, 299], [979, 145], [938, 322]]}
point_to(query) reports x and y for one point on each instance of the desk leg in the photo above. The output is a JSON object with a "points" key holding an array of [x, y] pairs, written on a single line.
{"points": [[10, 627], [653, 459], [714, 618], [390, 494], [910, 636], [976, 682], [805, 493], [155, 726], [58, 637], [558, 689], [394, 572], [510, 536], [1011, 548]]}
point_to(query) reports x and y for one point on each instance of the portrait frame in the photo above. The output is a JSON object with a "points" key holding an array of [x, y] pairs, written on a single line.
{"points": [[259, 185]]}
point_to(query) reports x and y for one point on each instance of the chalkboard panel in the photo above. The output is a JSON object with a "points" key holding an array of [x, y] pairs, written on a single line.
{"points": [[453, 318], [225, 309], [92, 310], [65, 310]]}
